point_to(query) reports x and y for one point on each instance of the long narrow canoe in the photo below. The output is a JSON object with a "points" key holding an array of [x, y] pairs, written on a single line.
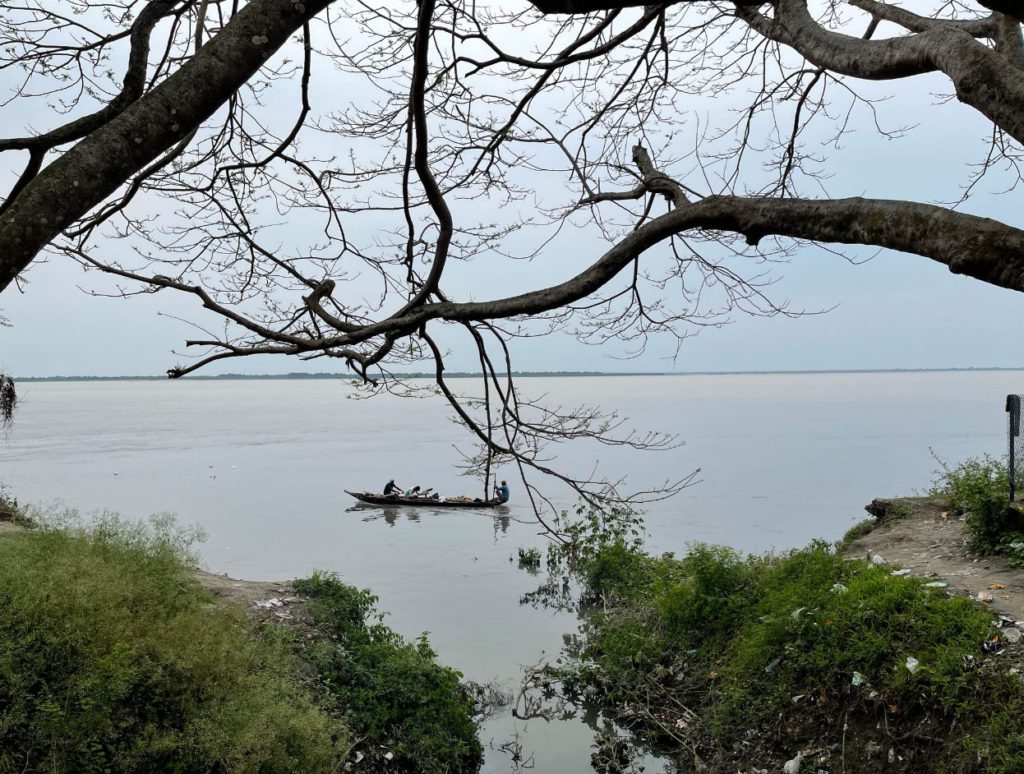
{"points": [[441, 502]]}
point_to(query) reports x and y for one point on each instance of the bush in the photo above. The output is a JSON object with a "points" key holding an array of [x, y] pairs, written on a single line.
{"points": [[971, 481], [616, 570], [391, 691], [736, 639], [820, 633], [980, 488], [111, 659], [11, 511]]}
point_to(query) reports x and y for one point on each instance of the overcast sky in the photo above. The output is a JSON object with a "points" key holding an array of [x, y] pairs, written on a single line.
{"points": [[894, 311]]}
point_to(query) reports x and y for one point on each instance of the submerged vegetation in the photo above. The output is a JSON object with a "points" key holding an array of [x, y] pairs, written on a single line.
{"points": [[112, 658]]}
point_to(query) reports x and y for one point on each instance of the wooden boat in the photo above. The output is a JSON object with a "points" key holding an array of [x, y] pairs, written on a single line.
{"points": [[375, 498]]}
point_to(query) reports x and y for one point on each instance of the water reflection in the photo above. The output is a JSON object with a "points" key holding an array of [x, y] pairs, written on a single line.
{"points": [[523, 720], [391, 514]]}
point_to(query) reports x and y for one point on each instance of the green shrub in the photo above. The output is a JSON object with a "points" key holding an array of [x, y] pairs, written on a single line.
{"points": [[820, 633], [112, 659], [391, 691], [980, 488], [11, 511], [702, 596], [737, 638], [971, 481], [614, 571]]}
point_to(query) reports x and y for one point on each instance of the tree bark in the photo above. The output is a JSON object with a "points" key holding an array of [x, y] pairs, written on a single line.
{"points": [[84, 176], [592, 6], [1009, 7], [977, 247]]}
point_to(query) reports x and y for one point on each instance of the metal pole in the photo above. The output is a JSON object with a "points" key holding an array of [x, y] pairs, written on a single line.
{"points": [[1013, 409]]}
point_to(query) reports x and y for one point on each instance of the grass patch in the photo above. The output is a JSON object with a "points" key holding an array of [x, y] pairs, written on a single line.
{"points": [[728, 652], [111, 659], [887, 512], [858, 530]]}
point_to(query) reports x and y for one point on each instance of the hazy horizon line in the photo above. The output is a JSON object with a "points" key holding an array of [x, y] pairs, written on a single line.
{"points": [[525, 373]]}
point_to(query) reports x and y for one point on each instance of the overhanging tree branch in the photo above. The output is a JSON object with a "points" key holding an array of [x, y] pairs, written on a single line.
{"points": [[463, 142], [88, 173]]}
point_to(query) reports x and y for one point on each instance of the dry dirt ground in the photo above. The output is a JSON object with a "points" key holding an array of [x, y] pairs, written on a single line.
{"points": [[923, 535], [265, 600]]}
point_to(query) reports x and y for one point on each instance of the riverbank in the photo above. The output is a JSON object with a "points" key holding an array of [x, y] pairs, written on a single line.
{"points": [[835, 660], [119, 655], [926, 537], [819, 659]]}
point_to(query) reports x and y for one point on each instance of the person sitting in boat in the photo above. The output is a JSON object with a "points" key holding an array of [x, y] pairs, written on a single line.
{"points": [[392, 488], [414, 492], [501, 492]]}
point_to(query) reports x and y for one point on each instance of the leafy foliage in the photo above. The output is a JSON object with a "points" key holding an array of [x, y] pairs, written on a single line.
{"points": [[587, 533], [737, 638], [8, 398], [392, 691], [10, 510], [111, 659], [980, 488]]}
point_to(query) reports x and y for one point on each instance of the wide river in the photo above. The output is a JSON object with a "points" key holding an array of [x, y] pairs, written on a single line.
{"points": [[261, 466]]}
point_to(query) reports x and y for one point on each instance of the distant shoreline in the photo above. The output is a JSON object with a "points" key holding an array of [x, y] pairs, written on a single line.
{"points": [[521, 374]]}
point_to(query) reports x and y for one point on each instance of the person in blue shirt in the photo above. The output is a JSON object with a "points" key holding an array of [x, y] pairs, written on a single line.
{"points": [[502, 492]]}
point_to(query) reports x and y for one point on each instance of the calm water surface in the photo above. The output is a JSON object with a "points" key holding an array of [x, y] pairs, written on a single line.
{"points": [[261, 466]]}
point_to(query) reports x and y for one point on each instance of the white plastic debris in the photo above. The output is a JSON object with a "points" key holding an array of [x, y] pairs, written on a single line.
{"points": [[912, 664], [1012, 634], [839, 588], [792, 766], [857, 679], [388, 756], [795, 615], [269, 603], [936, 585], [900, 573], [877, 559]]}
